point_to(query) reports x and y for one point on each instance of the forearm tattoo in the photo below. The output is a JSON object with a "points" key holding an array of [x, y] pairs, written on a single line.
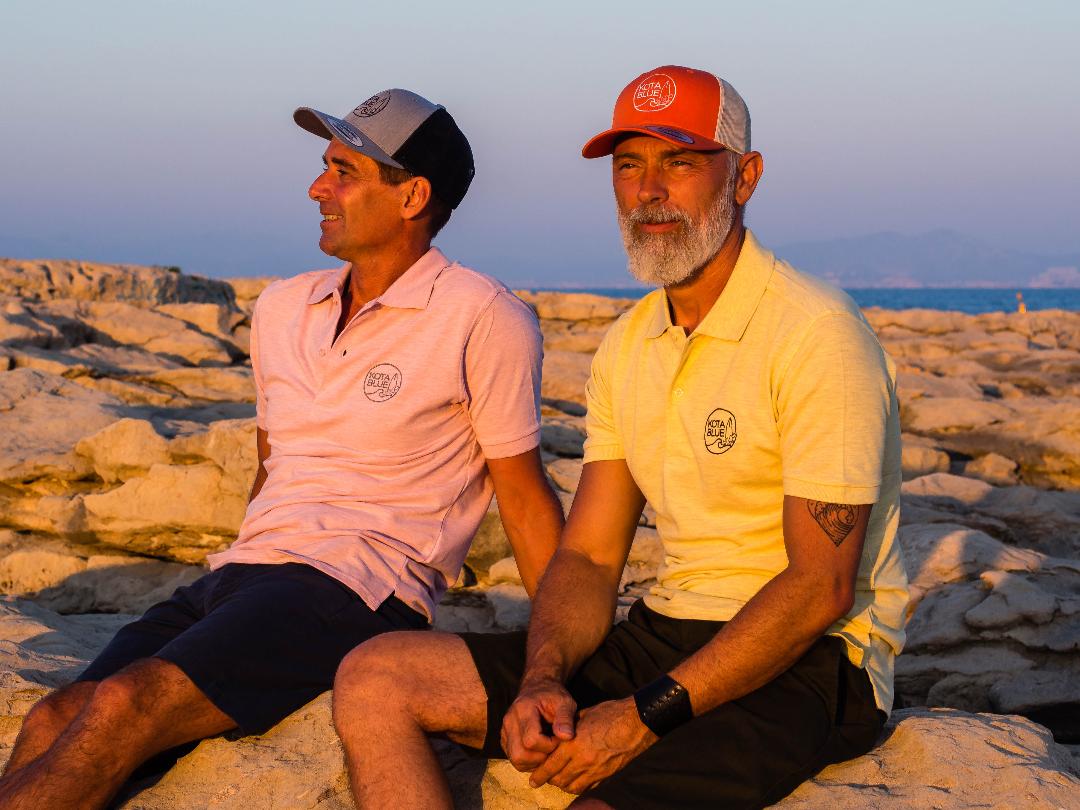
{"points": [[836, 519]]}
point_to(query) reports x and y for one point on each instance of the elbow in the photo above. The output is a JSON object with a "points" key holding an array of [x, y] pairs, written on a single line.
{"points": [[840, 602]]}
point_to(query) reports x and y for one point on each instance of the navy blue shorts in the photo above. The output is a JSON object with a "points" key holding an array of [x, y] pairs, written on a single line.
{"points": [[259, 641]]}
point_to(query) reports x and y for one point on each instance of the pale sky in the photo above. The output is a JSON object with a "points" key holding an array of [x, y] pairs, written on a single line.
{"points": [[161, 132]]}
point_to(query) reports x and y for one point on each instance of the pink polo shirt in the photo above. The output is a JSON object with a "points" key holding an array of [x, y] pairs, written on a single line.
{"points": [[378, 439]]}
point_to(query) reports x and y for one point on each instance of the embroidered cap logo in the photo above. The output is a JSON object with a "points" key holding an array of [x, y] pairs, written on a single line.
{"points": [[654, 93], [373, 105]]}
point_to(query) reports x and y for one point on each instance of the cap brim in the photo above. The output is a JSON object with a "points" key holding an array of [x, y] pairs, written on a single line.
{"points": [[604, 143], [329, 127]]}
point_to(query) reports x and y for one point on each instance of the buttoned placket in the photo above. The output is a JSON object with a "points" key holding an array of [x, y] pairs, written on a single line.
{"points": [[675, 348], [335, 348]]}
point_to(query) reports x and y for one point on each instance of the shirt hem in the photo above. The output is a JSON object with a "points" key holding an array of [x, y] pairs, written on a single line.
{"points": [[832, 493], [513, 447], [604, 452]]}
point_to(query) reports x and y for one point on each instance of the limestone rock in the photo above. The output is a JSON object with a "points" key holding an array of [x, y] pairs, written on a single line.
{"points": [[928, 758], [89, 281], [943, 414], [943, 758], [1024, 516], [993, 627], [124, 449], [71, 579], [177, 512], [565, 472], [565, 374], [917, 460], [490, 543], [575, 306], [42, 416], [573, 336], [563, 436], [19, 327], [209, 384], [247, 290], [992, 468], [129, 325]]}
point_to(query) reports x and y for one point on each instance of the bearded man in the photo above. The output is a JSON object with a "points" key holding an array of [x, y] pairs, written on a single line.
{"points": [[753, 407]]}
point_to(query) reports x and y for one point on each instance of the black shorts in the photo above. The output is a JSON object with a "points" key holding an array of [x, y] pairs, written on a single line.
{"points": [[258, 640], [750, 752]]}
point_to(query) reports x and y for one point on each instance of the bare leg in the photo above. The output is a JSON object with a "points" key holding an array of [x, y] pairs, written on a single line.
{"points": [[140, 711], [46, 721], [389, 693]]}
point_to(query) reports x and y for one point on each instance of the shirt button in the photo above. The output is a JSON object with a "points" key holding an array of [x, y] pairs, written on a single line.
{"points": [[678, 393], [344, 352]]}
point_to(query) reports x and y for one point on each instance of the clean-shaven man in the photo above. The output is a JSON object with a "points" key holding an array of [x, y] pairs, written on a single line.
{"points": [[394, 396]]}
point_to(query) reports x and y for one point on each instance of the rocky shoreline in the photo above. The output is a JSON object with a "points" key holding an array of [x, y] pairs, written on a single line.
{"points": [[127, 450]]}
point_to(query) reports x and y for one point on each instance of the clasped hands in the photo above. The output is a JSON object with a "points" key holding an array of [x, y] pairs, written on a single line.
{"points": [[578, 752]]}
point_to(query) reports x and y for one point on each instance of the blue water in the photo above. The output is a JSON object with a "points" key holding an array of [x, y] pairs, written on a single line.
{"points": [[972, 301]]}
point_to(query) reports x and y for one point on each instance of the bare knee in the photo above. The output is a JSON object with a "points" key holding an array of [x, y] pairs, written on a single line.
{"points": [[378, 681], [138, 693], [55, 711]]}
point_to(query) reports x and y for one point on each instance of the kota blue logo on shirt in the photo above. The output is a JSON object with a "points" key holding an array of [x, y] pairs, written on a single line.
{"points": [[720, 432], [382, 382]]}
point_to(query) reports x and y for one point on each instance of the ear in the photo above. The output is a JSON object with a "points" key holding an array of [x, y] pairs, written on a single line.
{"points": [[417, 194], [749, 168]]}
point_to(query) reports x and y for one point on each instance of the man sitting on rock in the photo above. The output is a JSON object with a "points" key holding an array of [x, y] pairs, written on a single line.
{"points": [[394, 395], [754, 409]]}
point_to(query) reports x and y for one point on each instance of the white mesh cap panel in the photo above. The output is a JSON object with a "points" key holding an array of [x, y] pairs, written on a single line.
{"points": [[732, 119]]}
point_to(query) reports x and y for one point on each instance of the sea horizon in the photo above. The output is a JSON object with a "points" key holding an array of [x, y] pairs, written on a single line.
{"points": [[969, 300]]}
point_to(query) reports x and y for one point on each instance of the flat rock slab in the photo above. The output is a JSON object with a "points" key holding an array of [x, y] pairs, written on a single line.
{"points": [[46, 279], [928, 758]]}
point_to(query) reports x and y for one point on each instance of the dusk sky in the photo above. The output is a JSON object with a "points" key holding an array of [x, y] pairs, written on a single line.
{"points": [[160, 132]]}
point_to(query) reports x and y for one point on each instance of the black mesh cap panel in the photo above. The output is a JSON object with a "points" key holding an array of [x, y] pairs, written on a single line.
{"points": [[439, 151]]}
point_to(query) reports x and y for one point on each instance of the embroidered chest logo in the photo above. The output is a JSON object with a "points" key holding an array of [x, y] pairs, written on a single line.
{"points": [[720, 432], [382, 382]]}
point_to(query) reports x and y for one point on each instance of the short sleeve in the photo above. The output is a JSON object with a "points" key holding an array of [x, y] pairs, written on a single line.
{"points": [[256, 370], [503, 359], [602, 441], [833, 405]]}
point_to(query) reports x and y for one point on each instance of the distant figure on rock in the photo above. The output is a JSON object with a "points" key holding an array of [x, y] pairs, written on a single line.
{"points": [[752, 406], [395, 394]]}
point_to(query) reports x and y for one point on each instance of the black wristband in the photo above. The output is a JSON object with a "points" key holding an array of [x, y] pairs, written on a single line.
{"points": [[663, 705]]}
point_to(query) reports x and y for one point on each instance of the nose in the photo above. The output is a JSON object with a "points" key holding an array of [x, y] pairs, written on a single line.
{"points": [[317, 190], [652, 189]]}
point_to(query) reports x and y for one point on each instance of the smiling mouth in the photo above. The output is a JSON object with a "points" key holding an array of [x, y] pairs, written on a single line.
{"points": [[330, 217]]}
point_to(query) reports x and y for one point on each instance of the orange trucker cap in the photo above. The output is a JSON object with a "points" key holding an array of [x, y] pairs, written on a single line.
{"points": [[690, 108]]}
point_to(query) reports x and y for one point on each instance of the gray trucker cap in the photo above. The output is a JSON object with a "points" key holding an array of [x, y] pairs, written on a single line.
{"points": [[402, 129]]}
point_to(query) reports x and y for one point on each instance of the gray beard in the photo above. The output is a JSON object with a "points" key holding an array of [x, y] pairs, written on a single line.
{"points": [[668, 259]]}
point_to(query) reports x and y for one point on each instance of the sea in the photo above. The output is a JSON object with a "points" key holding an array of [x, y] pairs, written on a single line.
{"points": [[972, 300]]}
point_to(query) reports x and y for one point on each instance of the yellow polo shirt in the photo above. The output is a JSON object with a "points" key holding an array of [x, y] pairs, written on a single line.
{"points": [[782, 389]]}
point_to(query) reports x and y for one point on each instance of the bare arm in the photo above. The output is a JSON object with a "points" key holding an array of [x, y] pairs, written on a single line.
{"points": [[574, 607], [773, 629], [584, 573], [530, 512], [262, 446], [793, 610]]}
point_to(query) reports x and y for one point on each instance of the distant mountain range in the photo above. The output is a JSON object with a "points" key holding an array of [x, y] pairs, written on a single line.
{"points": [[940, 258]]}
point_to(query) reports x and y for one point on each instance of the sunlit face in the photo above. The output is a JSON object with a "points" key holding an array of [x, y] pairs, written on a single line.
{"points": [[675, 206], [359, 210]]}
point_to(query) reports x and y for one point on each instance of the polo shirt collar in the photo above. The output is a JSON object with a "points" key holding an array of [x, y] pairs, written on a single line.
{"points": [[731, 313], [412, 290]]}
